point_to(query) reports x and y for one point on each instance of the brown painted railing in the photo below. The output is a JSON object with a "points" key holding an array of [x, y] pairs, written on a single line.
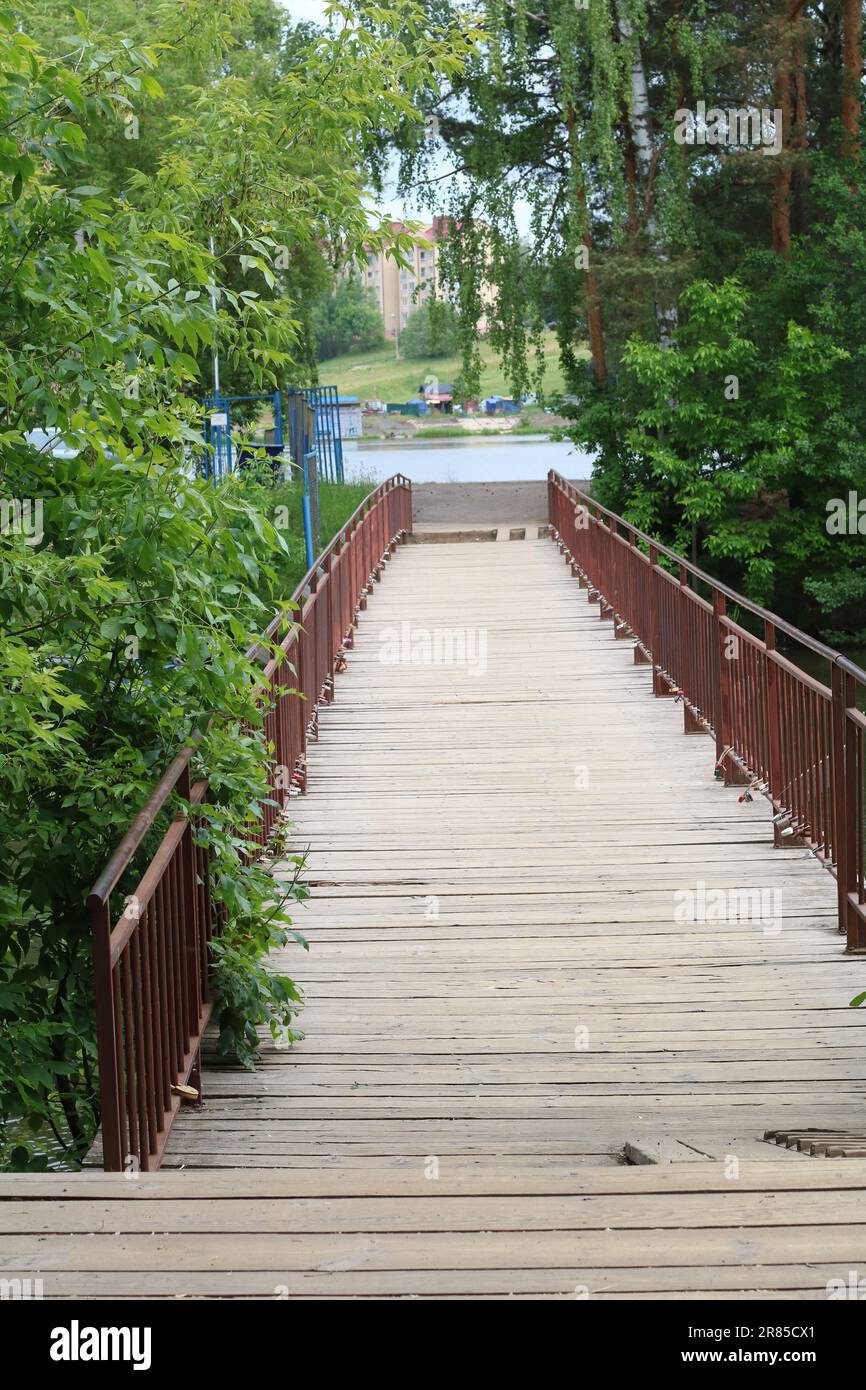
{"points": [[776, 728], [151, 964]]}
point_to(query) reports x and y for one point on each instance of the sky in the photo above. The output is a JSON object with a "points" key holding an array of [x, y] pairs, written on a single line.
{"points": [[391, 205], [305, 9]]}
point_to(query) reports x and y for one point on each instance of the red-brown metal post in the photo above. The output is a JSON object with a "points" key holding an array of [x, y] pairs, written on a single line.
{"points": [[106, 1036], [659, 686], [719, 610], [774, 724], [690, 724], [841, 831]]}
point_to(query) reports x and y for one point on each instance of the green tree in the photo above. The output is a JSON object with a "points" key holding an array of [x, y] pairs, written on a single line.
{"points": [[130, 588], [432, 330], [346, 320], [577, 111]]}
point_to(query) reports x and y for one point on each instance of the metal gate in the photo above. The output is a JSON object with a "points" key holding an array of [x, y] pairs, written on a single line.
{"points": [[316, 431], [328, 442]]}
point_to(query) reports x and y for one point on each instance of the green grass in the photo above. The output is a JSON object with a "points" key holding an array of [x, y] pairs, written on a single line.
{"points": [[378, 376], [281, 503], [517, 425], [337, 502], [442, 432]]}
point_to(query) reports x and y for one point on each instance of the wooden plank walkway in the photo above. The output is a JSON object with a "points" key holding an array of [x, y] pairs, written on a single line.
{"points": [[505, 995], [495, 851], [675, 1230]]}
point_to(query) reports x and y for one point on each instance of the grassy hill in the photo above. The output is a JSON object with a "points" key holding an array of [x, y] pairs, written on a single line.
{"points": [[378, 376]]}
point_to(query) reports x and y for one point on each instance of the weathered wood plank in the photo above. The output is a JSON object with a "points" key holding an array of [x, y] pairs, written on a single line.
{"points": [[505, 987]]}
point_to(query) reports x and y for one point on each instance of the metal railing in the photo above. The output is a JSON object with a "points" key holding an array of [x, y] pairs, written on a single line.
{"points": [[777, 729], [152, 962]]}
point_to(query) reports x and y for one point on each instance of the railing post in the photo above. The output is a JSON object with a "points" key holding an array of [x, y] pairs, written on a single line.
{"points": [[299, 771], [351, 586], [106, 1035], [774, 722], [719, 610], [329, 674], [849, 742], [659, 686], [733, 774], [842, 829], [690, 723], [609, 563], [189, 915]]}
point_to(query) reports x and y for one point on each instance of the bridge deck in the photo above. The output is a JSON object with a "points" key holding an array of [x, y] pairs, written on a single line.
{"points": [[500, 990], [672, 1230], [494, 859]]}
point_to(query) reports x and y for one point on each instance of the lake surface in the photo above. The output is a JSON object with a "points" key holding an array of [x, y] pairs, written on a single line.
{"points": [[480, 460]]}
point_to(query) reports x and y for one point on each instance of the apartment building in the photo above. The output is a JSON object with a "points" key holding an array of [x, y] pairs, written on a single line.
{"points": [[398, 290]]}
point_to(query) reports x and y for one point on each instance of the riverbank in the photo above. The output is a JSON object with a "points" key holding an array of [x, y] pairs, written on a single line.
{"points": [[531, 421]]}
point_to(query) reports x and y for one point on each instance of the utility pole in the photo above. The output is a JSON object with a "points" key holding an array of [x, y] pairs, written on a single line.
{"points": [[216, 360]]}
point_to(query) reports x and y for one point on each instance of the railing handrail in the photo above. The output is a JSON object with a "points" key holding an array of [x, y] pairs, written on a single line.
{"points": [[396, 480], [122, 856], [777, 729], [123, 929], [765, 614], [152, 965], [120, 860]]}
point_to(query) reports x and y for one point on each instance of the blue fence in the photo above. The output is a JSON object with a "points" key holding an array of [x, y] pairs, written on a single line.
{"points": [[217, 435], [298, 452], [328, 441], [292, 431]]}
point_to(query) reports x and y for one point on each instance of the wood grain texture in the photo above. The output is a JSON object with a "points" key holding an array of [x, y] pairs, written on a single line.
{"points": [[504, 997]]}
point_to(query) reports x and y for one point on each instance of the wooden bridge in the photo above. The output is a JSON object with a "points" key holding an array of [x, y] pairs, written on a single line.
{"points": [[567, 964]]}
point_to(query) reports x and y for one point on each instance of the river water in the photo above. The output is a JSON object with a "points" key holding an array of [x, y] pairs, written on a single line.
{"points": [[481, 460]]}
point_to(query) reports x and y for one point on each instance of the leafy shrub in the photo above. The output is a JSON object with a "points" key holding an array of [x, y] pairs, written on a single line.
{"points": [[433, 330], [347, 320]]}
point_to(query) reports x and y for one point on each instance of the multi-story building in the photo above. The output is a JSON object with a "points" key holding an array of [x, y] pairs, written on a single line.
{"points": [[399, 290]]}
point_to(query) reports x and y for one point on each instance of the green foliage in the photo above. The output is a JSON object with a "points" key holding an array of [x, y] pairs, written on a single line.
{"points": [[130, 588], [432, 330], [735, 444], [346, 321], [282, 504], [681, 265]]}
